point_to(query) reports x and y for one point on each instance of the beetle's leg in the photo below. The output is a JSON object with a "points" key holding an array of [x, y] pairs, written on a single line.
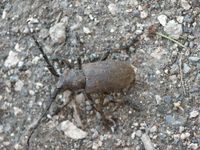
{"points": [[59, 109], [107, 121], [89, 97], [35, 126], [105, 55], [79, 63], [49, 65], [63, 61]]}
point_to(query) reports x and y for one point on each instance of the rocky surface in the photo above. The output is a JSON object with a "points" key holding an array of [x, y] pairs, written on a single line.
{"points": [[166, 57]]}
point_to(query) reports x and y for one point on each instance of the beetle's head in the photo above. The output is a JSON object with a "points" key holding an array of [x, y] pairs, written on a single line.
{"points": [[71, 80]]}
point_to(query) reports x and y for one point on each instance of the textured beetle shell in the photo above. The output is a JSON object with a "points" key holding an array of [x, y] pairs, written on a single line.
{"points": [[108, 76]]}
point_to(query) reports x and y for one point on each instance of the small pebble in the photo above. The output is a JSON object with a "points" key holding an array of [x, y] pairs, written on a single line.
{"points": [[174, 69], [96, 145], [80, 98], [194, 59], [64, 20], [180, 19], [186, 68], [14, 78], [143, 14], [18, 85], [174, 29], [31, 92], [4, 13], [17, 111], [133, 135], [153, 129], [167, 99], [12, 59], [162, 20], [185, 135], [175, 121], [181, 129], [158, 99], [185, 4], [88, 107], [138, 133], [18, 48], [71, 130], [58, 33], [193, 146], [193, 114], [112, 8], [86, 30], [35, 59]]}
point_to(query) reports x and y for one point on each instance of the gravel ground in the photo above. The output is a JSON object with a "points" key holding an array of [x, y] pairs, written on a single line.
{"points": [[166, 57]]}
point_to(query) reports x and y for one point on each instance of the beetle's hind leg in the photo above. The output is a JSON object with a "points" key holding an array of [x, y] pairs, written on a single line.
{"points": [[105, 55]]}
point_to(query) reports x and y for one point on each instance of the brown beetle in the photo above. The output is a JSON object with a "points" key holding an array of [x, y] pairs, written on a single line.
{"points": [[99, 77], [102, 77]]}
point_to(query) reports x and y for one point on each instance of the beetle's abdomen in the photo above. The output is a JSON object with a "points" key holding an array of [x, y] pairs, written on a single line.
{"points": [[108, 76]]}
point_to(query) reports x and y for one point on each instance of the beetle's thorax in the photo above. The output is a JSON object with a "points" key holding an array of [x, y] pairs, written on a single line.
{"points": [[72, 80]]}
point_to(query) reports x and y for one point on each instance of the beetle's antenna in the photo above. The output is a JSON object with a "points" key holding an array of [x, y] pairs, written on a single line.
{"points": [[51, 99], [49, 65]]}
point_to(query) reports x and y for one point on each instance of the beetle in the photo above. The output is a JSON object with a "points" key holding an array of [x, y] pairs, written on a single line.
{"points": [[102, 77]]}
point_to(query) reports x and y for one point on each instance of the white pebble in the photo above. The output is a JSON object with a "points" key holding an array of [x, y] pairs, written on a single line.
{"points": [[158, 99], [38, 85], [181, 129], [12, 59], [143, 14], [139, 133], [96, 145], [174, 29], [18, 48], [31, 92], [17, 111], [162, 19], [193, 146], [153, 129], [112, 8], [4, 13], [35, 59], [18, 85], [185, 135], [71, 130], [58, 33], [86, 30], [180, 19], [193, 114], [64, 20], [185, 4], [20, 64], [133, 135]]}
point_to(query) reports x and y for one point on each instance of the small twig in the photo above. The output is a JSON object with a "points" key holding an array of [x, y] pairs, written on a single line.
{"points": [[171, 39], [147, 142], [181, 74]]}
